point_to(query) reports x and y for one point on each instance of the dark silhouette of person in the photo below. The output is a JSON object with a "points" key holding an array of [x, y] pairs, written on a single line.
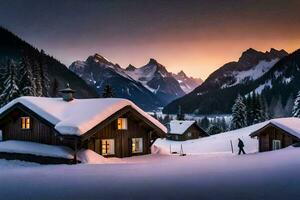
{"points": [[241, 147]]}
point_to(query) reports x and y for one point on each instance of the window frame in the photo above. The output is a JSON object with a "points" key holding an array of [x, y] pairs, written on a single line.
{"points": [[124, 124], [140, 146], [274, 144], [27, 123], [110, 144]]}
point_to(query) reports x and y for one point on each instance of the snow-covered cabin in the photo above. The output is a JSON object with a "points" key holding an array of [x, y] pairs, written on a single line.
{"points": [[278, 133], [108, 126], [181, 130]]}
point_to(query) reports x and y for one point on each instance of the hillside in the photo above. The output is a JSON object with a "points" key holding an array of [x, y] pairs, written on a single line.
{"points": [[242, 78], [12, 47]]}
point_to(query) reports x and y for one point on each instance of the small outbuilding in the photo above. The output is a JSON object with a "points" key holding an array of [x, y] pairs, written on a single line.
{"points": [[180, 130], [278, 133]]}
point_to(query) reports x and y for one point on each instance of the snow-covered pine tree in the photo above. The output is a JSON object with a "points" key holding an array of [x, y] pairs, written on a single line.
{"points": [[296, 108], [239, 119], [26, 83], [10, 85]]}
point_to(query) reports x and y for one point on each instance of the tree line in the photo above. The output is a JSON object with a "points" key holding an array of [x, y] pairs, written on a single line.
{"points": [[23, 77]]}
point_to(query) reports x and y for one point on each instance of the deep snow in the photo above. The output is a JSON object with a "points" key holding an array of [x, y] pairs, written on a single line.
{"points": [[209, 171], [272, 175]]}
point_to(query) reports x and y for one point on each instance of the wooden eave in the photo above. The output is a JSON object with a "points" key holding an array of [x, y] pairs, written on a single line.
{"points": [[270, 124]]}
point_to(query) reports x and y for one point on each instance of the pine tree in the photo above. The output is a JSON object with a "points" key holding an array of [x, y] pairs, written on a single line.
{"points": [[239, 115], [296, 108], [37, 79], [257, 109], [204, 123], [26, 83], [10, 85], [107, 92], [42, 70], [54, 88], [180, 114]]}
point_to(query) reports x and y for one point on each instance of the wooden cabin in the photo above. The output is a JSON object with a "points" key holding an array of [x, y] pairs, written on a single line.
{"points": [[108, 126], [181, 130], [278, 133]]}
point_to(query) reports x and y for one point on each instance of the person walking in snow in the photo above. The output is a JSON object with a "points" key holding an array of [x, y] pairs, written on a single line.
{"points": [[241, 147]]}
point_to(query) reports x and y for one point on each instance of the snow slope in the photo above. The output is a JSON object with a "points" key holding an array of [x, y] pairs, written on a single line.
{"points": [[214, 144], [252, 74]]}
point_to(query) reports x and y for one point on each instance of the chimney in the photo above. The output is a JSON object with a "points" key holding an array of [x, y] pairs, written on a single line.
{"points": [[67, 93]]}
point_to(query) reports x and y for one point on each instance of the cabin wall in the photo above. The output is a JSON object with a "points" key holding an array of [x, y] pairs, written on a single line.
{"points": [[39, 132], [271, 133], [136, 129]]}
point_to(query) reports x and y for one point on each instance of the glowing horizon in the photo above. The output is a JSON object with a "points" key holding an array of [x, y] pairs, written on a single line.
{"points": [[197, 37]]}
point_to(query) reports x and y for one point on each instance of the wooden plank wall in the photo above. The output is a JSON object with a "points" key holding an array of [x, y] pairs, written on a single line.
{"points": [[271, 133], [136, 129], [39, 132]]}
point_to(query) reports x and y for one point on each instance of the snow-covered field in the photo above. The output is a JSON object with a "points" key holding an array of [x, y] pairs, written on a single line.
{"points": [[215, 144], [209, 171]]}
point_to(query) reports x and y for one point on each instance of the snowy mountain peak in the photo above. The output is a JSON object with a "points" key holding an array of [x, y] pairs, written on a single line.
{"points": [[152, 61], [181, 73], [130, 68], [99, 59], [252, 57]]}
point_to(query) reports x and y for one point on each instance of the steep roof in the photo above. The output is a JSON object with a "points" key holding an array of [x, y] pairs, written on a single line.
{"points": [[179, 126], [79, 115], [290, 125]]}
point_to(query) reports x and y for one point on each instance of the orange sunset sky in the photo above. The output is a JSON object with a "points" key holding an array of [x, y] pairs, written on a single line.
{"points": [[194, 36]]}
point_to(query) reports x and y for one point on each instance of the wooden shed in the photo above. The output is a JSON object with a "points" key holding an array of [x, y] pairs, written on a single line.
{"points": [[278, 133], [181, 130], [110, 127]]}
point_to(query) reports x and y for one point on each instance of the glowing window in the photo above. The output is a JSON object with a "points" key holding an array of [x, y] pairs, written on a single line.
{"points": [[25, 122], [108, 147], [137, 145], [122, 123]]}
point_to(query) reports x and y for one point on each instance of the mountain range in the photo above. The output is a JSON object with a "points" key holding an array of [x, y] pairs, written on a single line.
{"points": [[274, 75], [150, 86]]}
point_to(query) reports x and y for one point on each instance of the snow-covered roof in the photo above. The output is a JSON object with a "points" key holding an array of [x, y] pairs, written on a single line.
{"points": [[290, 125], [79, 115], [179, 126]]}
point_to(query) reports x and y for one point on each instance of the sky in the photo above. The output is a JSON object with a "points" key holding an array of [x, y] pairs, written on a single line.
{"points": [[197, 37]]}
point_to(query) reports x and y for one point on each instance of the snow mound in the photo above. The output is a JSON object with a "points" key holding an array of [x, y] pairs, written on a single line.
{"points": [[13, 146], [90, 157], [159, 150]]}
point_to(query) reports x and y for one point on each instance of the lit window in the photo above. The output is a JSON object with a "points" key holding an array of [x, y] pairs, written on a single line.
{"points": [[25, 122], [276, 144], [122, 123], [108, 147], [189, 134], [137, 145]]}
